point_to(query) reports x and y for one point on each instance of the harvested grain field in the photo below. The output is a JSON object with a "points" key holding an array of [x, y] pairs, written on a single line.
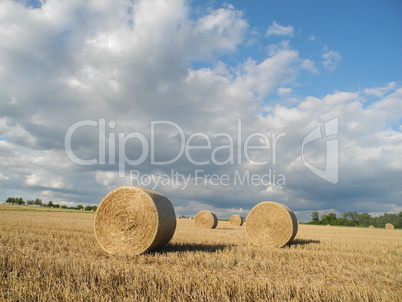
{"points": [[54, 256]]}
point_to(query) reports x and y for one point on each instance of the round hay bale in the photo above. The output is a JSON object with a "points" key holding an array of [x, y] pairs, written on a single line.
{"points": [[371, 227], [236, 220], [389, 226], [271, 224], [206, 220], [132, 220]]}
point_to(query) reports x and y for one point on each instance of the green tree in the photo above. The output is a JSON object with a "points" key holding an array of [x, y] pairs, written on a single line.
{"points": [[38, 202], [15, 200], [364, 219], [352, 216], [79, 207], [50, 204], [10, 200], [343, 221], [399, 220], [314, 218], [329, 218]]}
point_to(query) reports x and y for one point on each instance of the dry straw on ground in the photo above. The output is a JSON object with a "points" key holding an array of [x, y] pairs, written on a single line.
{"points": [[271, 224], [206, 220], [371, 227], [389, 226], [132, 220], [236, 220]]}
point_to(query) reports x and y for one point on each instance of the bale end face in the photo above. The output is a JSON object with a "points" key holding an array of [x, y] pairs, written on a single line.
{"points": [[271, 224], [132, 220], [206, 220], [389, 226], [236, 220]]}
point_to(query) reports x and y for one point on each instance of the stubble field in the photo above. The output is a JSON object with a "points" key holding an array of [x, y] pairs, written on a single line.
{"points": [[53, 256]]}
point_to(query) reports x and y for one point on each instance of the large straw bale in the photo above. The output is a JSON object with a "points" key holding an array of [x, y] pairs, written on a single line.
{"points": [[271, 224], [206, 220], [236, 220], [133, 220], [389, 226]]}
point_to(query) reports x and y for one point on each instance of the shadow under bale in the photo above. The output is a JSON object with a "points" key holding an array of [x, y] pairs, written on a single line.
{"points": [[304, 242], [190, 247]]}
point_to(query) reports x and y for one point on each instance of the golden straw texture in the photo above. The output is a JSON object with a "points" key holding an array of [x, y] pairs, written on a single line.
{"points": [[133, 220], [389, 226], [236, 220], [206, 220], [271, 224]]}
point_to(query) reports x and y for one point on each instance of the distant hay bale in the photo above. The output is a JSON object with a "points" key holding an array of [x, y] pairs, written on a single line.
{"points": [[328, 225], [206, 220], [389, 226], [236, 220], [371, 227], [132, 220], [271, 224]]}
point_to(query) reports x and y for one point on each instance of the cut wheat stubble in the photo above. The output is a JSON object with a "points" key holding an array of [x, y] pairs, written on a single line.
{"points": [[206, 220], [132, 220], [271, 224]]}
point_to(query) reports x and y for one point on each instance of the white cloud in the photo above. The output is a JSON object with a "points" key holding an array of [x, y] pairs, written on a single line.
{"points": [[380, 91], [284, 91], [262, 78], [309, 66], [331, 59], [110, 179], [278, 30], [135, 63]]}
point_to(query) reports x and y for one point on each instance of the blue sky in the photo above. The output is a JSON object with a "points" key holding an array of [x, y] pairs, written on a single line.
{"points": [[365, 33], [299, 86]]}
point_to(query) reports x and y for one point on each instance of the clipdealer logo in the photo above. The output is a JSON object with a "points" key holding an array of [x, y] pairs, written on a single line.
{"points": [[239, 150], [237, 147], [331, 171]]}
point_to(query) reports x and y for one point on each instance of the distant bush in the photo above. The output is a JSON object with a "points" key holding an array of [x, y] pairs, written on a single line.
{"points": [[356, 219]]}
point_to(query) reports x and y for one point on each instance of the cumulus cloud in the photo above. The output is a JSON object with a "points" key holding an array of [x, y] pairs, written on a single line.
{"points": [[278, 30], [284, 91], [380, 91], [118, 80], [331, 59], [310, 66]]}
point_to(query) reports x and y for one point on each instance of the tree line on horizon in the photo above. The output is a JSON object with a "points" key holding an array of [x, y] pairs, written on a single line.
{"points": [[50, 204], [357, 219]]}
